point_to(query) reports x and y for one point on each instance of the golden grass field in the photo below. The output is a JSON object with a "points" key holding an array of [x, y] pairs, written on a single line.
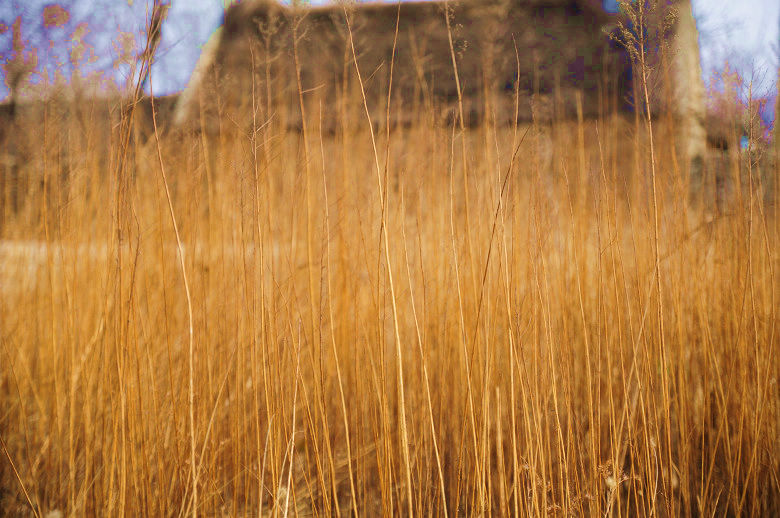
{"points": [[526, 320], [433, 339]]}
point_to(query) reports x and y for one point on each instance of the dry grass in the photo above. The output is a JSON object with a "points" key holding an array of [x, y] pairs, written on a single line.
{"points": [[343, 297]]}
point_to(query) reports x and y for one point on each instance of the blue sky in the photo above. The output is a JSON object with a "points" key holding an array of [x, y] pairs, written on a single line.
{"points": [[744, 33]]}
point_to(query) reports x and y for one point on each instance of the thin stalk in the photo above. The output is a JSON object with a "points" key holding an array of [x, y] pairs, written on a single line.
{"points": [[402, 402], [190, 328]]}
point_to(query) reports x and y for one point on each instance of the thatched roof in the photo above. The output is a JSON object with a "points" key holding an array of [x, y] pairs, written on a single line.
{"points": [[546, 48]]}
